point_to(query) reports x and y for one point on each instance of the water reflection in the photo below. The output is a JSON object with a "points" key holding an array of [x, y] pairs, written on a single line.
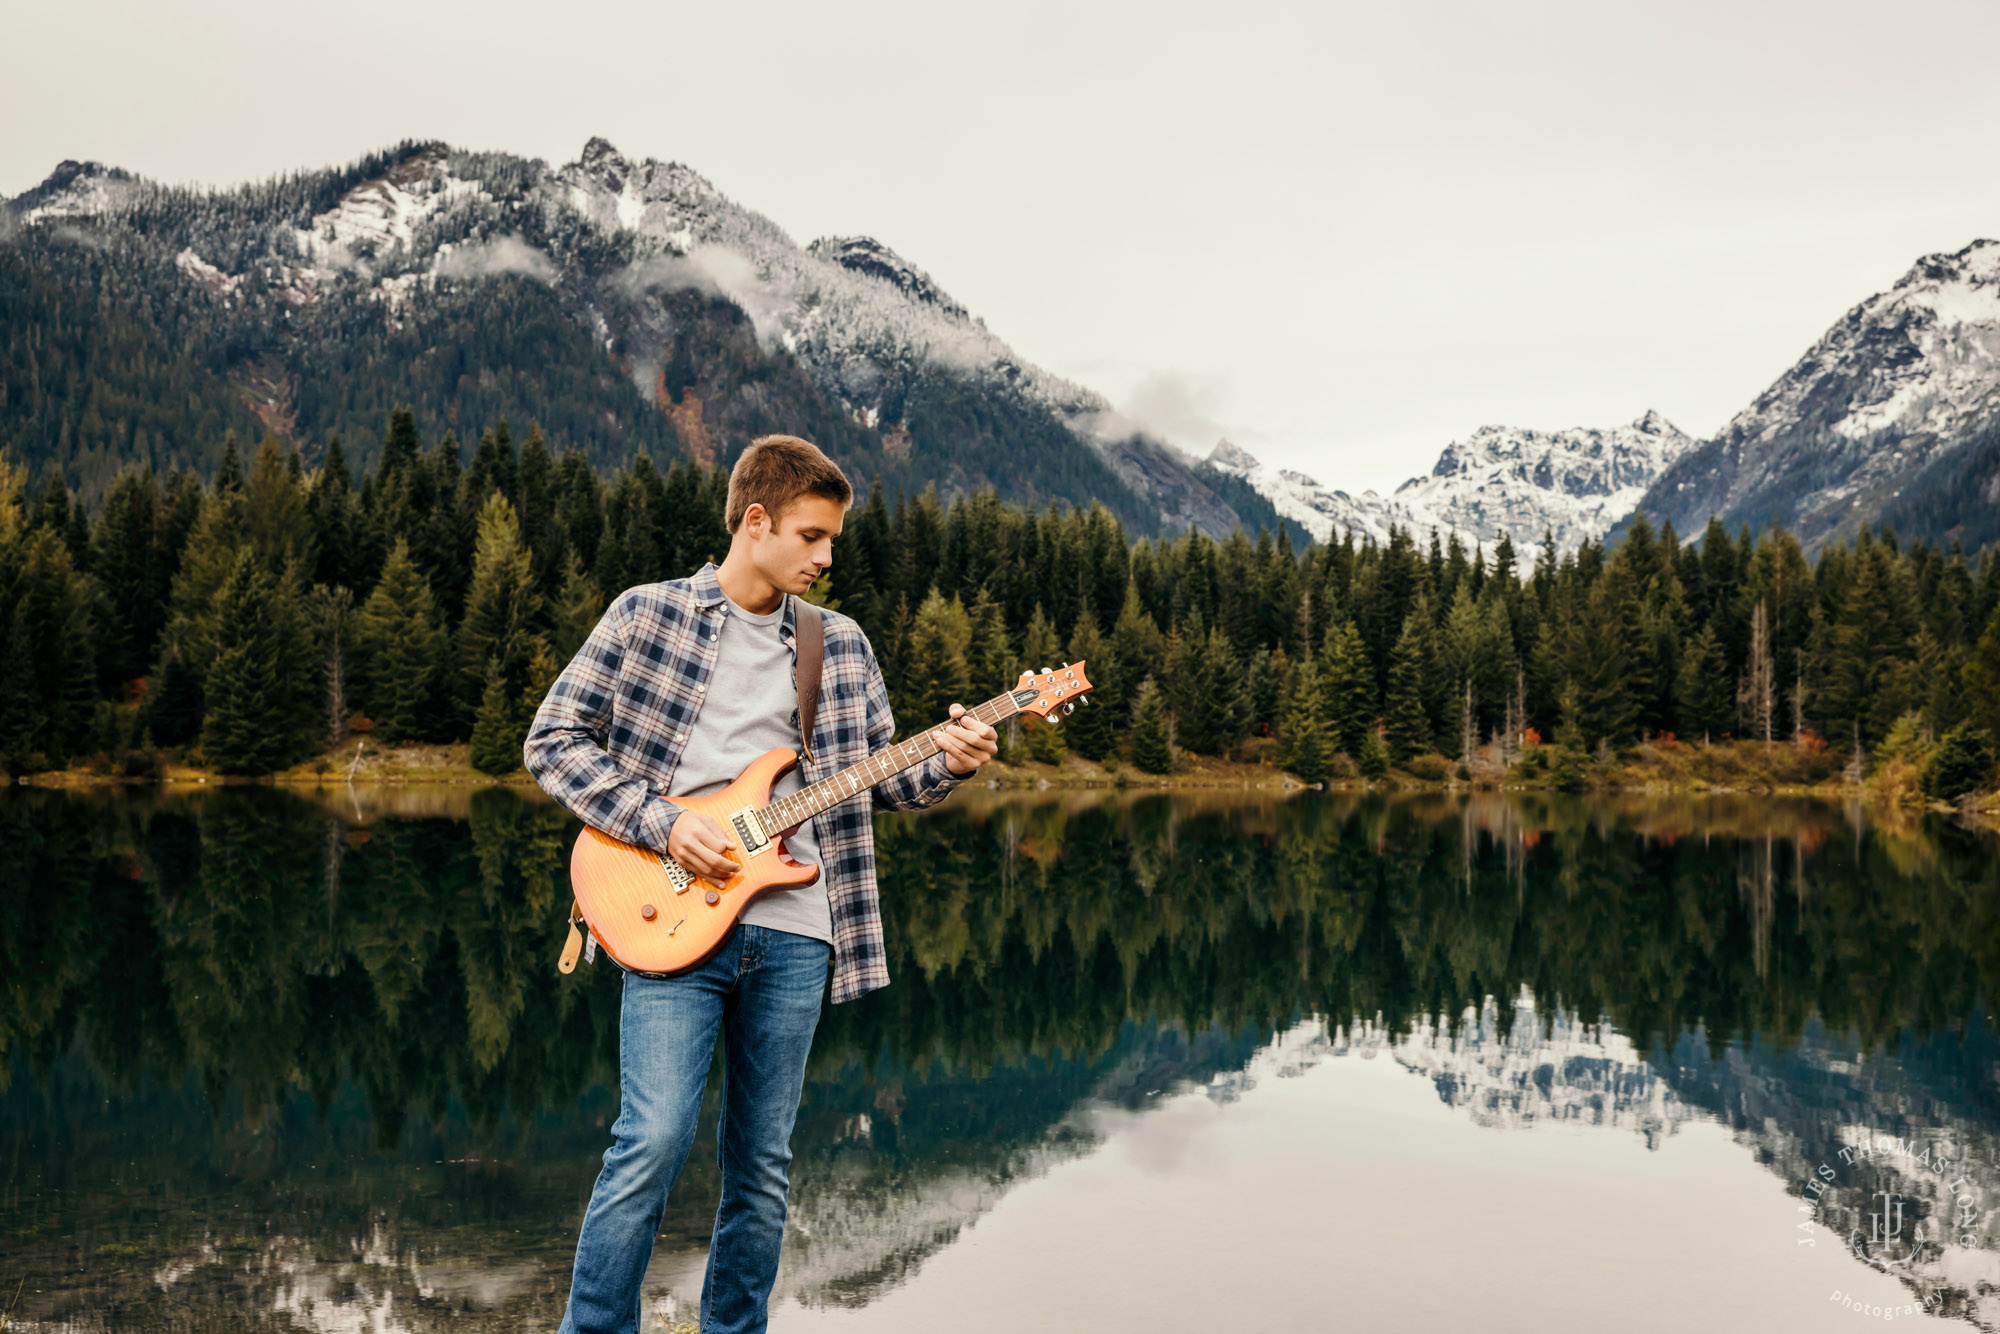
{"points": [[289, 1063]]}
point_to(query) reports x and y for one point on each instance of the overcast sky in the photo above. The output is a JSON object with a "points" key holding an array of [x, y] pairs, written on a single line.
{"points": [[1343, 234]]}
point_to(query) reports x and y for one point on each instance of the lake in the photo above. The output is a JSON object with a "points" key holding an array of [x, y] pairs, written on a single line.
{"points": [[1157, 1062]]}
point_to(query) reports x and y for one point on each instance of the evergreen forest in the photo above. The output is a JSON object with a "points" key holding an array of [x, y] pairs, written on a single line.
{"points": [[260, 618]]}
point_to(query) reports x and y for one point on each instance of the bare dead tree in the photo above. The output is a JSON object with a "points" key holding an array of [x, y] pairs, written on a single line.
{"points": [[1757, 697]]}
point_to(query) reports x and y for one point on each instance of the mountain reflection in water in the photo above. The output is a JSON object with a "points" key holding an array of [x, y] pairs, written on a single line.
{"points": [[273, 1062]]}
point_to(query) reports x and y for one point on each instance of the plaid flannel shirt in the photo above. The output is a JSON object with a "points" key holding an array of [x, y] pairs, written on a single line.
{"points": [[608, 736]]}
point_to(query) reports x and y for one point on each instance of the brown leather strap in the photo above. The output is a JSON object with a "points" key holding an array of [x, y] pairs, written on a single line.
{"points": [[573, 945], [810, 635]]}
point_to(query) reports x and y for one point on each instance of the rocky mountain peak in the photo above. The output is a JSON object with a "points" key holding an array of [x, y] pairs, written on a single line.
{"points": [[1652, 423], [73, 189], [1500, 480], [1879, 404], [603, 161], [864, 254], [1232, 457]]}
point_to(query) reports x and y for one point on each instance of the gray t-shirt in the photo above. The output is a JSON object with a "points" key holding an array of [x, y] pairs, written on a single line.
{"points": [[754, 708]]}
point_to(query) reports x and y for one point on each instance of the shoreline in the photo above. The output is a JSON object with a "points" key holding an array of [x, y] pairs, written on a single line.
{"points": [[1647, 774]]}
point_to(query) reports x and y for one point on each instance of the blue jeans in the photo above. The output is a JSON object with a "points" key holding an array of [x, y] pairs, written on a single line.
{"points": [[761, 989]]}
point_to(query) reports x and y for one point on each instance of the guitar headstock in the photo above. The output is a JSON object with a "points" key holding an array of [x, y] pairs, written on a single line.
{"points": [[1052, 692]]}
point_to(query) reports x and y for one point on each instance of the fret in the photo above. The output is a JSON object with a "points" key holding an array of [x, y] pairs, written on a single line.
{"points": [[795, 809]]}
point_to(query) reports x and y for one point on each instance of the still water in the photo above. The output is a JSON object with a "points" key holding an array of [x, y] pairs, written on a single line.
{"points": [[1504, 1062]]}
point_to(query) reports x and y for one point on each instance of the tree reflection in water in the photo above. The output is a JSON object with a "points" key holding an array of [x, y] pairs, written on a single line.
{"points": [[266, 1061]]}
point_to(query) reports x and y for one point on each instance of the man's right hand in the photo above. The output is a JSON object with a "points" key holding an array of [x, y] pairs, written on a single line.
{"points": [[697, 842]]}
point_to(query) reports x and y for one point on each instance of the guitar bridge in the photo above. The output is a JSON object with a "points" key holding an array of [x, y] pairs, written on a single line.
{"points": [[677, 876]]}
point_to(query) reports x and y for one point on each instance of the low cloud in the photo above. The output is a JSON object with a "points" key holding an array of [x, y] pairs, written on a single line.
{"points": [[1180, 407], [717, 272], [491, 259], [68, 233]]}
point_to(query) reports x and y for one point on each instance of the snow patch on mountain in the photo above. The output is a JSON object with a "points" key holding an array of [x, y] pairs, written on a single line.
{"points": [[75, 190], [214, 279], [1920, 361], [609, 232], [1888, 393], [1574, 484]]}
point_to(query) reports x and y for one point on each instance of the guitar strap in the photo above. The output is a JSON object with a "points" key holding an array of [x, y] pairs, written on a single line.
{"points": [[809, 640], [810, 637]]}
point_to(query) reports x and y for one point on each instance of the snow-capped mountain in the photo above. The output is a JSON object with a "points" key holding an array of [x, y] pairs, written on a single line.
{"points": [[1876, 412], [1574, 484], [398, 238]]}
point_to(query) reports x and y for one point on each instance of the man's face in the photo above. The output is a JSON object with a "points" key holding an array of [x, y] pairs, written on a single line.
{"points": [[796, 548]]}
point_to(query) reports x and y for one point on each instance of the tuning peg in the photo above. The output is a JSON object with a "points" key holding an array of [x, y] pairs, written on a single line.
{"points": [[1065, 662], [1069, 707], [1044, 672]]}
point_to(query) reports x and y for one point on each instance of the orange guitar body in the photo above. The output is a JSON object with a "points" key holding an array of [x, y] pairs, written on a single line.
{"points": [[652, 916]]}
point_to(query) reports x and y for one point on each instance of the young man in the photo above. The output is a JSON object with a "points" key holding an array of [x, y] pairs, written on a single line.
{"points": [[633, 717]]}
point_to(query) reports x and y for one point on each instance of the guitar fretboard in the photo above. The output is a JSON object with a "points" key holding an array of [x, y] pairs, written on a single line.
{"points": [[830, 791]]}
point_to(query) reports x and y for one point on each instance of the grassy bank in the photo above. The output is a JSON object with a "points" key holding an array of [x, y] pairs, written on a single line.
{"points": [[365, 761], [1666, 766]]}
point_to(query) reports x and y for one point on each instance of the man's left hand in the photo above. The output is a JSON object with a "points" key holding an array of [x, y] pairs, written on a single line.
{"points": [[966, 742]]}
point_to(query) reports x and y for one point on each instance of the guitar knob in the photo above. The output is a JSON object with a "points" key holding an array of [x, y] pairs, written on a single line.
{"points": [[711, 898], [648, 911]]}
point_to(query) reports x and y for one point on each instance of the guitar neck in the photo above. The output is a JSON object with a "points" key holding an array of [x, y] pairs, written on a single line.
{"points": [[884, 764]]}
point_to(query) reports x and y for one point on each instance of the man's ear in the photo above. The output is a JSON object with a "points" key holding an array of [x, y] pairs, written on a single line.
{"points": [[755, 519]]}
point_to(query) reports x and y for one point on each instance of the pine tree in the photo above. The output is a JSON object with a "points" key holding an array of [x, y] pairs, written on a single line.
{"points": [[130, 565], [1046, 742], [399, 651], [1347, 684], [1702, 699], [260, 714], [935, 676], [501, 605], [1137, 649], [1210, 709], [1041, 650], [1091, 729], [579, 606], [1151, 741], [990, 656], [1304, 742], [46, 610], [1407, 721], [1981, 677], [543, 669], [496, 735], [537, 505], [346, 556], [173, 703], [1566, 771], [1374, 757], [213, 544], [1962, 762], [276, 518]]}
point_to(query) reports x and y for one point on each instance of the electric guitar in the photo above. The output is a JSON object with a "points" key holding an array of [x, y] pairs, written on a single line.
{"points": [[652, 915]]}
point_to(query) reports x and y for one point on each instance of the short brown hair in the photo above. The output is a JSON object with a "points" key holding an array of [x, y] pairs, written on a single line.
{"points": [[775, 471]]}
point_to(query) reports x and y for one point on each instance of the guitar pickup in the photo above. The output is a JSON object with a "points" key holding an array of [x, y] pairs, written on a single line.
{"points": [[750, 835]]}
